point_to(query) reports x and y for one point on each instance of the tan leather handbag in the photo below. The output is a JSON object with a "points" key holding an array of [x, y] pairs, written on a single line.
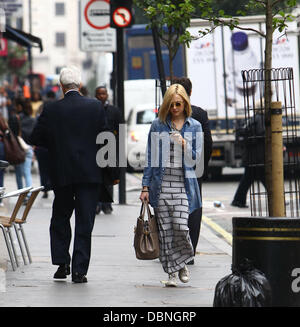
{"points": [[146, 241]]}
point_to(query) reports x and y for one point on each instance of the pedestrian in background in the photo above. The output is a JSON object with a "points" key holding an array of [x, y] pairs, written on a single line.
{"points": [[84, 91], [114, 119], [200, 115], [4, 102], [21, 124], [253, 156], [2, 157], [42, 154], [68, 128], [171, 186], [11, 95], [36, 102]]}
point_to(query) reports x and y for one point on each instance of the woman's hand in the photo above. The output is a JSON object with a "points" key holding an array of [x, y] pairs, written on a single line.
{"points": [[144, 195], [179, 139]]}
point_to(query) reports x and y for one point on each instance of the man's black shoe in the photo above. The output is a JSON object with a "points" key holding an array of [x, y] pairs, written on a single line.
{"points": [[238, 204], [62, 272], [191, 262], [79, 278], [107, 211]]}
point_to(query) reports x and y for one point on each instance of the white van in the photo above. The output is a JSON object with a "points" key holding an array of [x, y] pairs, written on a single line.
{"points": [[139, 121]]}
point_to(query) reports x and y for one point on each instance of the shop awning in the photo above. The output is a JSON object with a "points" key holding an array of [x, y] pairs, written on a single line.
{"points": [[25, 39]]}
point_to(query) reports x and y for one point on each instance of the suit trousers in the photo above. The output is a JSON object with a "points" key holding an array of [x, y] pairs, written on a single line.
{"points": [[250, 175], [82, 198], [194, 222]]}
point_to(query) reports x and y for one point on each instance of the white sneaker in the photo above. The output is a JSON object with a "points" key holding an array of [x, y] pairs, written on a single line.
{"points": [[184, 274], [172, 282]]}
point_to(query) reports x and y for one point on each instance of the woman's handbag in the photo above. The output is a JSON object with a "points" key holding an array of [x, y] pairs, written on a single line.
{"points": [[146, 241], [13, 152]]}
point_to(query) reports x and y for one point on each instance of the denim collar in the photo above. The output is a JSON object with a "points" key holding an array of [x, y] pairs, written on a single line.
{"points": [[168, 121]]}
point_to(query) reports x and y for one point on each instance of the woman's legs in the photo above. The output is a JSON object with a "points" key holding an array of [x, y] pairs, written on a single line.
{"points": [[19, 175], [27, 168]]}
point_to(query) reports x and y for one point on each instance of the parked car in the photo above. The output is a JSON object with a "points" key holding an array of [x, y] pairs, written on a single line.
{"points": [[139, 121]]}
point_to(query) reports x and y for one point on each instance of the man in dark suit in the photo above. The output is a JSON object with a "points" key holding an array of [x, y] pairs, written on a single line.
{"points": [[253, 142], [199, 114], [114, 119], [68, 128]]}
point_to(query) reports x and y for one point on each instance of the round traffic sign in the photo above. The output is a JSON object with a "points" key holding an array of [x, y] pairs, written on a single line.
{"points": [[122, 17], [96, 14]]}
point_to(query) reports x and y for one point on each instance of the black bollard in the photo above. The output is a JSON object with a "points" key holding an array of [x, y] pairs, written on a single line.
{"points": [[273, 244]]}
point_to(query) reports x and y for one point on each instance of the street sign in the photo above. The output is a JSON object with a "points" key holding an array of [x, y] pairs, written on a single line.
{"points": [[122, 17], [12, 8], [95, 31], [121, 13]]}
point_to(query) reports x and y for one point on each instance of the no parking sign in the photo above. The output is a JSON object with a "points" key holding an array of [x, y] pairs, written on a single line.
{"points": [[95, 31]]}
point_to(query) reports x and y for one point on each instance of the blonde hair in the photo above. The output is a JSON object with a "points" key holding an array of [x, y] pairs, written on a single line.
{"points": [[165, 107]]}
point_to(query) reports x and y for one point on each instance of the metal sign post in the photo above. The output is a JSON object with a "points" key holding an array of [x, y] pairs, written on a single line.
{"points": [[120, 104], [121, 17]]}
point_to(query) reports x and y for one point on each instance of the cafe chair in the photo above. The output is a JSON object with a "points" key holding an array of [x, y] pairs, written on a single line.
{"points": [[18, 223], [6, 223]]}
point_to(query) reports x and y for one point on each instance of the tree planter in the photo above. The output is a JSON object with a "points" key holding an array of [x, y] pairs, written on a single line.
{"points": [[273, 244]]}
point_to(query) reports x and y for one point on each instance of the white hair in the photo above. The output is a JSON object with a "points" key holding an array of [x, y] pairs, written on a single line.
{"points": [[70, 76]]}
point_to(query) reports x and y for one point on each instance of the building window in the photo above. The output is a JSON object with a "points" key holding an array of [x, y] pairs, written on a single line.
{"points": [[60, 39], [59, 8]]}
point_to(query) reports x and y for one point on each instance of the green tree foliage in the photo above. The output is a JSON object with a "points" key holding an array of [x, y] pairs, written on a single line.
{"points": [[230, 7], [270, 8], [277, 14], [171, 18]]}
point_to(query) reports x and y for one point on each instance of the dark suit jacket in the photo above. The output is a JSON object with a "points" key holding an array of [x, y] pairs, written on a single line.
{"points": [[68, 128], [114, 118], [201, 115]]}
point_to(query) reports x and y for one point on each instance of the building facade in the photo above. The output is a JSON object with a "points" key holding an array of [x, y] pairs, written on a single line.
{"points": [[56, 22]]}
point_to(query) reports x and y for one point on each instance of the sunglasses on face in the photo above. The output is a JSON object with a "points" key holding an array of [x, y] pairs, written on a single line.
{"points": [[177, 104]]}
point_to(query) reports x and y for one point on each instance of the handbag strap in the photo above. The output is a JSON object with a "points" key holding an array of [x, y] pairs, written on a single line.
{"points": [[145, 205]]}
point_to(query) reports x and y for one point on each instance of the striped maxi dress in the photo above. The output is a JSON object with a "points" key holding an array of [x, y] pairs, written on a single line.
{"points": [[172, 216]]}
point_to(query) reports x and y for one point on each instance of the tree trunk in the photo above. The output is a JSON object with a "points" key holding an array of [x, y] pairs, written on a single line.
{"points": [[171, 67], [268, 98], [171, 55]]}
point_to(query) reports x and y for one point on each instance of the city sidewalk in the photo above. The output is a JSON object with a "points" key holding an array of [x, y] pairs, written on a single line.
{"points": [[115, 278]]}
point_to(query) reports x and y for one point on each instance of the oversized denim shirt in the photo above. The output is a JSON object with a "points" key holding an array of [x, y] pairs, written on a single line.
{"points": [[157, 154]]}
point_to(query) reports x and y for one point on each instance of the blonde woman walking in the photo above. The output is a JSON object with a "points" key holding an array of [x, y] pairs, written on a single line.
{"points": [[170, 182]]}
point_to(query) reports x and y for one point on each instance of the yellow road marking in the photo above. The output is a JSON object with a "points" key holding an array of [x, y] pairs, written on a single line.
{"points": [[218, 229]]}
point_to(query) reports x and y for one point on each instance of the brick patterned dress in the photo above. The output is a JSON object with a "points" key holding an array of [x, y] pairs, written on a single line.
{"points": [[172, 216]]}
